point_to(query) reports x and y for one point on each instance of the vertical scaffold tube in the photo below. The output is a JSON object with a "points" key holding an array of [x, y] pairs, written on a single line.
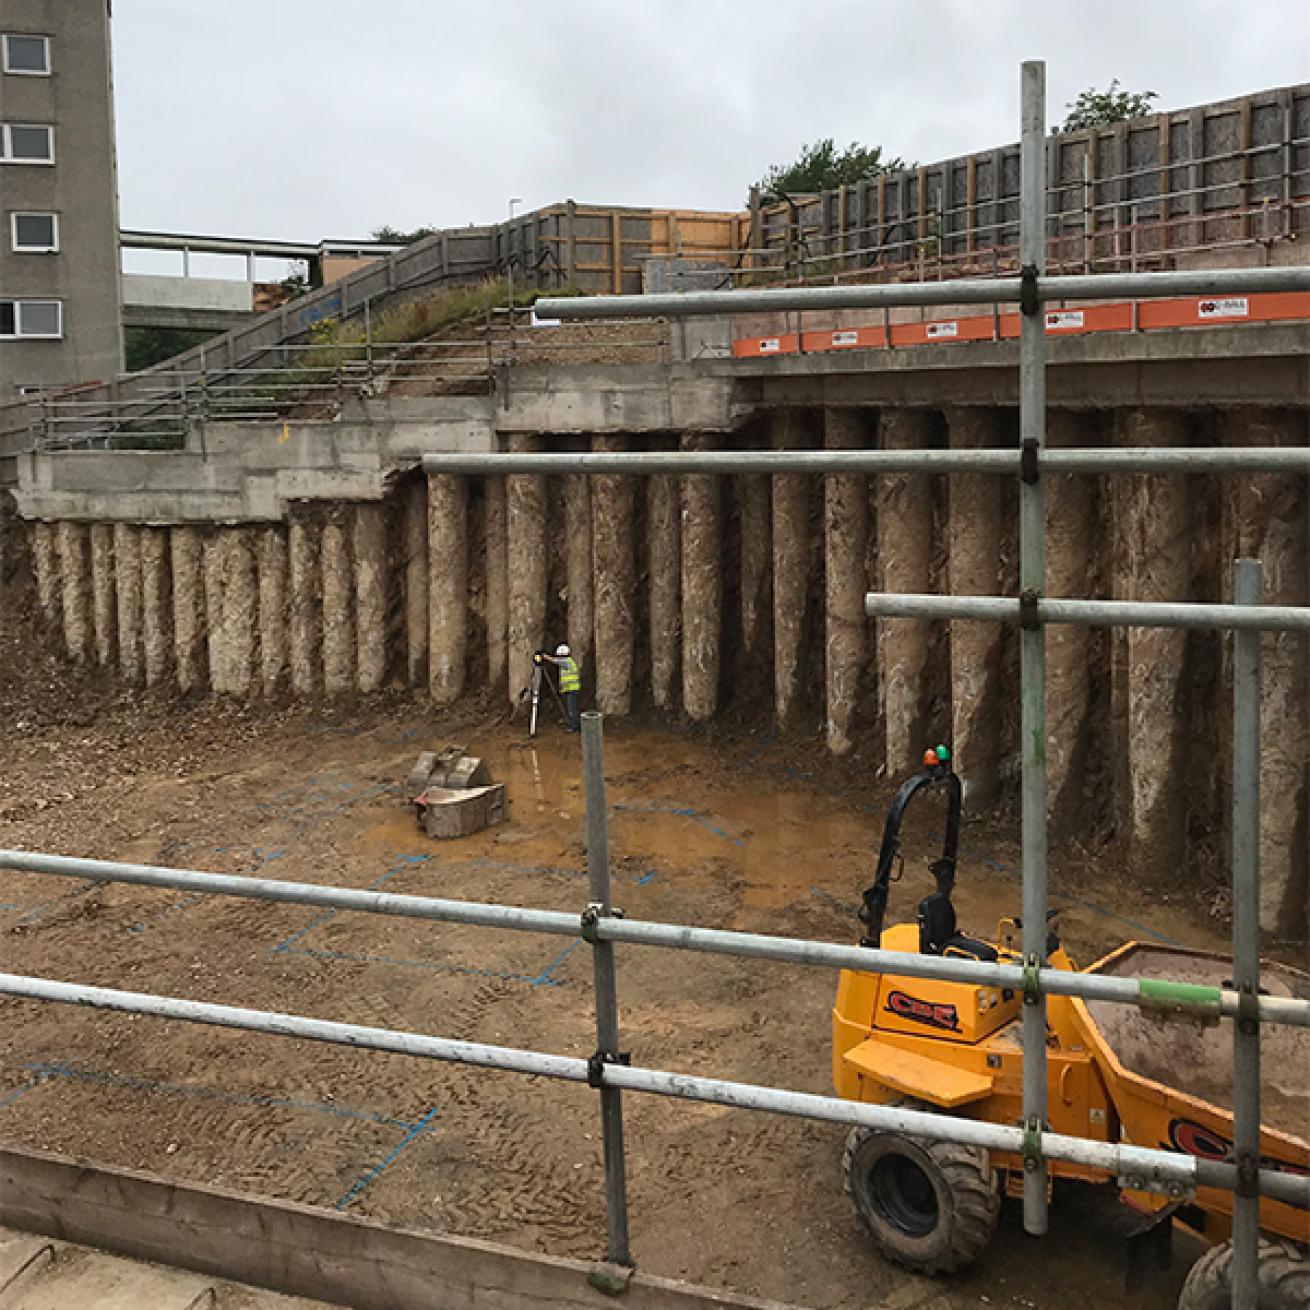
{"points": [[1247, 764], [526, 519], [612, 553], [448, 586], [1032, 641], [846, 540], [702, 587]]}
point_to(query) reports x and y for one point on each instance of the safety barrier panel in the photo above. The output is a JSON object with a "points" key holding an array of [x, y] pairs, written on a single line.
{"points": [[1082, 320]]}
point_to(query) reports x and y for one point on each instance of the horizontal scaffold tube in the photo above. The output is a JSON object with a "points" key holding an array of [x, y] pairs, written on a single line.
{"points": [[961, 291], [1214, 459], [476, 913], [1091, 613], [1156, 1170], [786, 950]]}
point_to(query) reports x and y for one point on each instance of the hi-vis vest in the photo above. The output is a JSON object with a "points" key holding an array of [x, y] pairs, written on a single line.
{"points": [[569, 678]]}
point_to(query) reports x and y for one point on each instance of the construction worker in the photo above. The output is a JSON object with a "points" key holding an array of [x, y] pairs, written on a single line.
{"points": [[570, 682]]}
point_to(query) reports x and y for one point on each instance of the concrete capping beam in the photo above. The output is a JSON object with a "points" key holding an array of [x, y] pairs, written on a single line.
{"points": [[301, 1251]]}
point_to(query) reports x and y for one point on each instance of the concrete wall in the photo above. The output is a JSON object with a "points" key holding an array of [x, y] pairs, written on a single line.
{"points": [[81, 187], [306, 1252], [280, 581], [226, 294]]}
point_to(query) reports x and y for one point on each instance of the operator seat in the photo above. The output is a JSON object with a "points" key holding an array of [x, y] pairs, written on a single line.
{"points": [[938, 931]]}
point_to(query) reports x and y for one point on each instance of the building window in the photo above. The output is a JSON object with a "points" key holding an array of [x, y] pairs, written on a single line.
{"points": [[35, 234], [31, 318], [27, 143], [26, 56]]}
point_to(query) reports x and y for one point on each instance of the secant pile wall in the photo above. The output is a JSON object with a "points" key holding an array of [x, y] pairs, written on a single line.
{"points": [[697, 597]]}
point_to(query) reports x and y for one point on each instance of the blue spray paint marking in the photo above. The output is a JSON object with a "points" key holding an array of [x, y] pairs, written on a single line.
{"points": [[290, 946], [413, 1129], [39, 912], [405, 861], [412, 1135], [320, 788], [681, 811], [10, 1097]]}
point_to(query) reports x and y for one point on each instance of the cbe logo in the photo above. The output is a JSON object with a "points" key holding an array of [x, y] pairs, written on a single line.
{"points": [[1196, 1139], [935, 1016]]}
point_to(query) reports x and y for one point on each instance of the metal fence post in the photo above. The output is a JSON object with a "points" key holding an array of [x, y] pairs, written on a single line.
{"points": [[368, 337], [607, 1005], [1246, 939], [1032, 638]]}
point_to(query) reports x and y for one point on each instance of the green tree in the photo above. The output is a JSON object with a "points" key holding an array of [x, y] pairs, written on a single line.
{"points": [[1095, 108], [144, 347], [394, 236], [297, 283], [822, 166]]}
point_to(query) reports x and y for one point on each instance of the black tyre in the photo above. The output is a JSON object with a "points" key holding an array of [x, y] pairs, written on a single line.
{"points": [[1283, 1275], [931, 1206]]}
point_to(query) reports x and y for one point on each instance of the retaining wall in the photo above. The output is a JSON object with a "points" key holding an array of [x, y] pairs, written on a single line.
{"points": [[695, 597]]}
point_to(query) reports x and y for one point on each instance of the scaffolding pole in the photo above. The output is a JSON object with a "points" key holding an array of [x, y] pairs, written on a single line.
{"points": [[1032, 638], [1246, 940], [1089, 613], [1153, 993], [1213, 459], [617, 1243], [1169, 1172], [962, 291]]}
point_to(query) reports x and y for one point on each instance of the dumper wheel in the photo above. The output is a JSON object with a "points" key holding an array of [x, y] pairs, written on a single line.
{"points": [[1283, 1277], [931, 1206]]}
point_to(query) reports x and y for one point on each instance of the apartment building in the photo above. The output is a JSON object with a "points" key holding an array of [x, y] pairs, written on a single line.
{"points": [[60, 320]]}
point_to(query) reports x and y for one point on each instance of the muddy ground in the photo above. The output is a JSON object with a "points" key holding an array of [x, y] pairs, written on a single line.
{"points": [[738, 833]]}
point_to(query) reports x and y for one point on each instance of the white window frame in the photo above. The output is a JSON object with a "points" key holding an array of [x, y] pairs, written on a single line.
{"points": [[18, 334], [6, 144], [25, 72], [15, 215]]}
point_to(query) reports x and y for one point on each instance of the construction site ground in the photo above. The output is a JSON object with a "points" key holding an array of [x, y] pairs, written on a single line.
{"points": [[746, 833]]}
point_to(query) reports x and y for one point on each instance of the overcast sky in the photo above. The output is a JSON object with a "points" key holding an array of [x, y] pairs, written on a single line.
{"points": [[304, 119]]}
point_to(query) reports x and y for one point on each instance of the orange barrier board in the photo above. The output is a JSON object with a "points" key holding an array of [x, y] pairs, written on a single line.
{"points": [[1151, 315]]}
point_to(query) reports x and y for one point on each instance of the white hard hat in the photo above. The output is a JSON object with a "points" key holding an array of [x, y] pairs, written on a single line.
{"points": [[561, 649]]}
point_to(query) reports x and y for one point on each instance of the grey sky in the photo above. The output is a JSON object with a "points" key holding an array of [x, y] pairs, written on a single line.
{"points": [[322, 118]]}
